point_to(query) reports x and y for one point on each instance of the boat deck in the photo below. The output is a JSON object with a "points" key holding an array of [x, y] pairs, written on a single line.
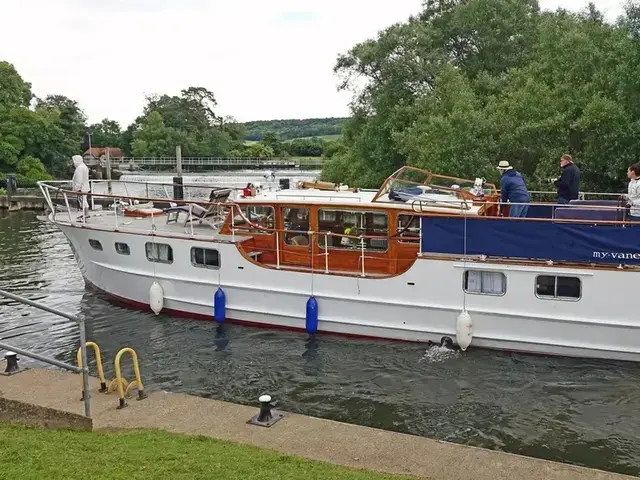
{"points": [[145, 224]]}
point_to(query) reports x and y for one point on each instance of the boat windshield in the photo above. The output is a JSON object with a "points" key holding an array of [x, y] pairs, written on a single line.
{"points": [[414, 182]]}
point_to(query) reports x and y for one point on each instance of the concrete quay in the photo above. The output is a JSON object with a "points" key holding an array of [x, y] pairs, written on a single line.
{"points": [[314, 438], [22, 202]]}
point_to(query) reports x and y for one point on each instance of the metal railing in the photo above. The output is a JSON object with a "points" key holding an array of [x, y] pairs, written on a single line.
{"points": [[217, 161], [243, 227], [52, 361]]}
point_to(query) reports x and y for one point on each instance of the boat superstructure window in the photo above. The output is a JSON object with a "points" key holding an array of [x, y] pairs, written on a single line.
{"points": [[95, 244], [484, 282], [159, 252], [557, 287], [260, 215], [296, 220], [354, 224], [122, 248], [408, 228], [205, 258]]}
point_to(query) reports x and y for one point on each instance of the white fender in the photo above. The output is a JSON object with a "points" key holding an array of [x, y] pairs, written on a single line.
{"points": [[464, 330], [156, 298]]}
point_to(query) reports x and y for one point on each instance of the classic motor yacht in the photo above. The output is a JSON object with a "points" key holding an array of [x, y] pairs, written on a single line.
{"points": [[425, 258]]}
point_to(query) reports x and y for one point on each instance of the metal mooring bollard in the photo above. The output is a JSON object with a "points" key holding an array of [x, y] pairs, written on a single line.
{"points": [[266, 417], [12, 363]]}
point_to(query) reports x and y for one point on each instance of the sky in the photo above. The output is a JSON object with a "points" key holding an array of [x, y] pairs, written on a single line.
{"points": [[263, 59]]}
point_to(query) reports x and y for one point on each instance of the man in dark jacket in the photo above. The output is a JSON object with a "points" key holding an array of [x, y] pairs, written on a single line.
{"points": [[568, 184], [513, 189]]}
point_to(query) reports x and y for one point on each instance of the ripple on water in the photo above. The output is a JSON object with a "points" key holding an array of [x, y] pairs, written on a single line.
{"points": [[579, 411]]}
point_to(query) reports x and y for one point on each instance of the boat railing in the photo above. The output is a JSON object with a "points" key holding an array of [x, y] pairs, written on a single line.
{"points": [[328, 198], [320, 241], [581, 195]]}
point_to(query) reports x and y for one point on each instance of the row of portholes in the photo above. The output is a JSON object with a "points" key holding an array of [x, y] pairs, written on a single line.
{"points": [[163, 253]]}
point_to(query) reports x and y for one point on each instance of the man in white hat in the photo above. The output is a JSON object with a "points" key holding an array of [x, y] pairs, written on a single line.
{"points": [[514, 190], [81, 182]]}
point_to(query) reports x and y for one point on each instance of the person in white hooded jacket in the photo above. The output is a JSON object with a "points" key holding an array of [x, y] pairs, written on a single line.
{"points": [[81, 182], [633, 195]]}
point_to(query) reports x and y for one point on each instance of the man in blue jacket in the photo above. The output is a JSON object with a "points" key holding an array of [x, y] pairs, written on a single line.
{"points": [[514, 190]]}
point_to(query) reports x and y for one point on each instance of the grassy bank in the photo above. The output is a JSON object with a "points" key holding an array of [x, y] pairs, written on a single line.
{"points": [[29, 453]]}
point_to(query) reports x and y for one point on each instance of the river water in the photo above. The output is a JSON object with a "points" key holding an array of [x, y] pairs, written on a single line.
{"points": [[585, 412]]}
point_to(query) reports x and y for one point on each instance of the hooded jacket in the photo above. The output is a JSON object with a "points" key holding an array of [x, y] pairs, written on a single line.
{"points": [[513, 188], [81, 175], [633, 197]]}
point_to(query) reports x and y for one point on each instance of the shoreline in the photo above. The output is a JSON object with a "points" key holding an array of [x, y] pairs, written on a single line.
{"points": [[303, 436]]}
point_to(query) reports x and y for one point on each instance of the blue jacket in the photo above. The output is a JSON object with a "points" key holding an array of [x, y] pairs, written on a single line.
{"points": [[513, 188]]}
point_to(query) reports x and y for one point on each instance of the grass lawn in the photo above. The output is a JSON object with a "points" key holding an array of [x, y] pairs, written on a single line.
{"points": [[30, 453], [326, 138]]}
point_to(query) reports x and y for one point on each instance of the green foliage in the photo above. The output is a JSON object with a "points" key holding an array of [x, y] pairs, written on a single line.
{"points": [[469, 83], [14, 92], [107, 133], [187, 120], [257, 150], [46, 135], [32, 168], [2, 191], [289, 129], [305, 147], [29, 453]]}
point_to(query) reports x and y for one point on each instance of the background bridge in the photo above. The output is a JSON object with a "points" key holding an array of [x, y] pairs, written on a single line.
{"points": [[203, 163]]}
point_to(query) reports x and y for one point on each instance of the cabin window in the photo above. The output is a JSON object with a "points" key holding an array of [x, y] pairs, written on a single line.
{"points": [[95, 244], [354, 224], [297, 221], [122, 248], [484, 282], [260, 215], [205, 257], [159, 252], [408, 228], [562, 288]]}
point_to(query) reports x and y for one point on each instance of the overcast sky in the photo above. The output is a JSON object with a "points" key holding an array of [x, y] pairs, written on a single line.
{"points": [[263, 59]]}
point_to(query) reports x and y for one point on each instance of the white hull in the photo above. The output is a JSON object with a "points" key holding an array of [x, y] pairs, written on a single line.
{"points": [[420, 305]]}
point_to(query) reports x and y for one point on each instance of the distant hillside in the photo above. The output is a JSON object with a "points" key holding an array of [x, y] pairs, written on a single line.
{"points": [[293, 128]]}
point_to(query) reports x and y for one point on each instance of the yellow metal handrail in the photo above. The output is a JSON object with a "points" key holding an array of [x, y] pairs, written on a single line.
{"points": [[96, 350], [121, 383]]}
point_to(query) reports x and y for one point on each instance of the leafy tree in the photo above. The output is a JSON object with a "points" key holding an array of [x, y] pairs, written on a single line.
{"points": [[272, 140], [32, 168], [107, 133], [14, 91], [468, 83], [293, 128], [187, 120], [257, 150], [155, 139], [305, 147]]}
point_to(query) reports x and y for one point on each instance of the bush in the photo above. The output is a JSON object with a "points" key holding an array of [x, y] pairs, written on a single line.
{"points": [[32, 168]]}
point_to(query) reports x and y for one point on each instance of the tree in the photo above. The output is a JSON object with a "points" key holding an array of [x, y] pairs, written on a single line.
{"points": [[32, 168], [107, 133], [272, 140], [257, 150], [188, 119], [68, 121], [470, 82], [155, 139], [14, 91]]}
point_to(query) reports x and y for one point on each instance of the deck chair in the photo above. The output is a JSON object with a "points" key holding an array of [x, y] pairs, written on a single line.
{"points": [[198, 212]]}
